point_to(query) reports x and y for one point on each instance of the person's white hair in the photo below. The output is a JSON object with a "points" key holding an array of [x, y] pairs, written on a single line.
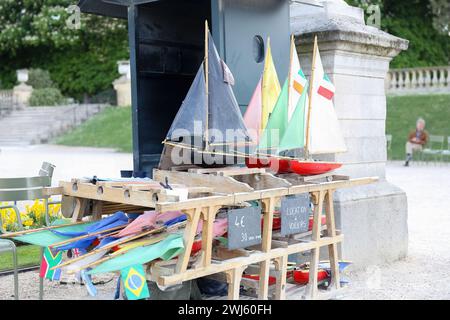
{"points": [[421, 120]]}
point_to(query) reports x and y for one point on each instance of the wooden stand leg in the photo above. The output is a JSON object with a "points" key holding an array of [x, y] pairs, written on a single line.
{"points": [[234, 283], [281, 267], [269, 207], [97, 210], [332, 248], [189, 236], [80, 207], [263, 292], [209, 215], [311, 288]]}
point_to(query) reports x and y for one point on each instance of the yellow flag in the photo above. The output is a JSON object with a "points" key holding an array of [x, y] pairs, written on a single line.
{"points": [[270, 87]]}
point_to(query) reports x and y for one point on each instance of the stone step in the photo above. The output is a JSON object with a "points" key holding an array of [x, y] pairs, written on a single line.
{"points": [[40, 124], [4, 142]]}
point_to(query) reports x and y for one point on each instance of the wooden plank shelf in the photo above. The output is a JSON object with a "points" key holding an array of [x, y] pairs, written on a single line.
{"points": [[209, 191], [255, 257]]}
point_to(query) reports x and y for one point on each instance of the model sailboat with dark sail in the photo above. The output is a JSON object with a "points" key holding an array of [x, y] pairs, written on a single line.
{"points": [[209, 128], [289, 127], [300, 126]]}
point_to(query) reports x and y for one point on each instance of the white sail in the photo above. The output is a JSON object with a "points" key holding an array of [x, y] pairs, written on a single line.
{"points": [[325, 132], [297, 82]]}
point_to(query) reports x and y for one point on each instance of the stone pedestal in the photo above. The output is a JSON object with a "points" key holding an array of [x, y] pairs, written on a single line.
{"points": [[373, 218], [123, 91], [22, 94]]}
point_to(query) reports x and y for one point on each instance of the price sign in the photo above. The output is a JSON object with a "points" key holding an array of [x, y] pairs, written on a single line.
{"points": [[244, 227], [295, 212]]}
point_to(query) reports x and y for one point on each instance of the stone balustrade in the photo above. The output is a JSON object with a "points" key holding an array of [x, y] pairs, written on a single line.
{"points": [[418, 80], [7, 102]]}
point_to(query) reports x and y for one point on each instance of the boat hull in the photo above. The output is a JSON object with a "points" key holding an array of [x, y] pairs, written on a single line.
{"points": [[272, 279], [277, 165], [302, 276], [303, 168], [309, 168]]}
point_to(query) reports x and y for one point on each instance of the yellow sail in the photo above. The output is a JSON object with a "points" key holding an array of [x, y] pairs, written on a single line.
{"points": [[270, 87]]}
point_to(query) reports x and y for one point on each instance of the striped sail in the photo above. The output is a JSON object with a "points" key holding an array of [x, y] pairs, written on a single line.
{"points": [[297, 82], [325, 132]]}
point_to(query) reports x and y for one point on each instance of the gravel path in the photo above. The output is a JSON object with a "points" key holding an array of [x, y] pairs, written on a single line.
{"points": [[423, 275], [29, 288], [70, 162]]}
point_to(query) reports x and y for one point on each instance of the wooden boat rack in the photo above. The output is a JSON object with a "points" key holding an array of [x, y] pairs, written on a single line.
{"points": [[210, 190]]}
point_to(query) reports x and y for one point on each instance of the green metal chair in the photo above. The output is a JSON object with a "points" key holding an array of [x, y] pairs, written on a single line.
{"points": [[435, 148], [388, 145], [417, 156], [9, 246], [24, 189], [446, 152]]}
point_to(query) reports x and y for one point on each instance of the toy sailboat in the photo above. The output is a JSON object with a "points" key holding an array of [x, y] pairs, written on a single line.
{"points": [[209, 127], [299, 126]]}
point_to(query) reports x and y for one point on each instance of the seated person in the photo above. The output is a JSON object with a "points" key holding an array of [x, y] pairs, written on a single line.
{"points": [[416, 140]]}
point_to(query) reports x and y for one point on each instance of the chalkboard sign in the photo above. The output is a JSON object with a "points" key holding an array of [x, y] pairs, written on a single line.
{"points": [[295, 213], [244, 227]]}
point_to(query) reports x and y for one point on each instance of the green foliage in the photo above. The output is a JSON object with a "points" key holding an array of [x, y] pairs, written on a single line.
{"points": [[90, 66], [8, 77], [88, 71], [441, 15], [364, 4], [403, 112], [108, 96], [39, 79], [46, 97], [34, 34], [30, 23], [109, 129], [36, 23], [415, 20]]}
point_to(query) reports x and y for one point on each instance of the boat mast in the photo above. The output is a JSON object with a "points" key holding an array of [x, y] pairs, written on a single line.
{"points": [[311, 85], [261, 129], [290, 74], [206, 134]]}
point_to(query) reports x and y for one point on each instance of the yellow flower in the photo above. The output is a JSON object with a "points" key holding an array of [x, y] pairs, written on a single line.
{"points": [[32, 217], [28, 222]]}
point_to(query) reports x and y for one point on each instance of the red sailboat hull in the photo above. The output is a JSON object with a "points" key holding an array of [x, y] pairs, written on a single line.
{"points": [[302, 276], [308, 168], [304, 168], [272, 280], [274, 164], [276, 225]]}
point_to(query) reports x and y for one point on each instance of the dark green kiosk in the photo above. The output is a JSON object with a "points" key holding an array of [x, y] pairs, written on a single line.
{"points": [[166, 40]]}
